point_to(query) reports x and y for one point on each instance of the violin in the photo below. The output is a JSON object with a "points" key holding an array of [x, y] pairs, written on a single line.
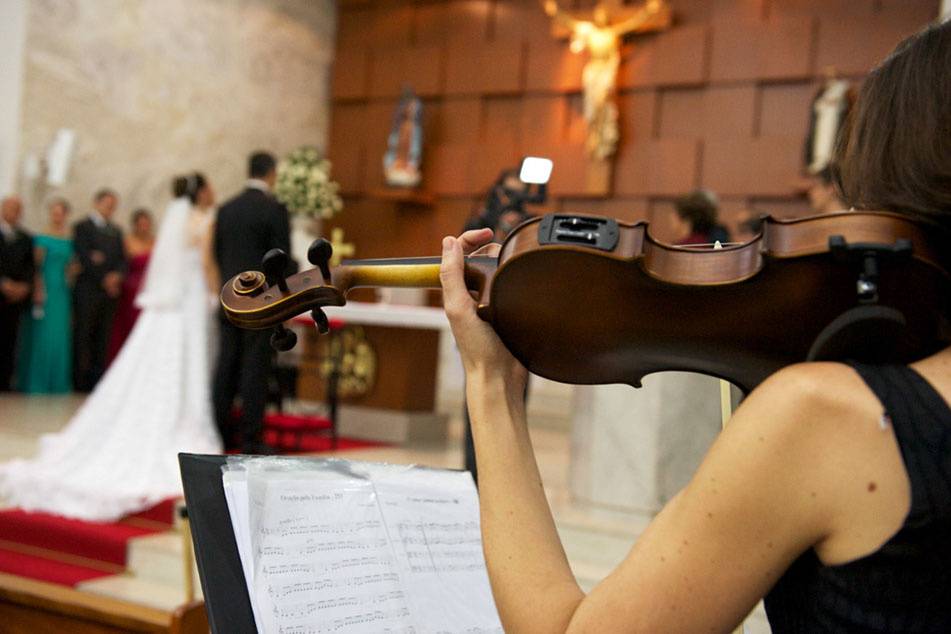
{"points": [[591, 300]]}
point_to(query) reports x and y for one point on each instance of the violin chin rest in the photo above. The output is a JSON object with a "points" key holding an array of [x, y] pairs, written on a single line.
{"points": [[869, 334]]}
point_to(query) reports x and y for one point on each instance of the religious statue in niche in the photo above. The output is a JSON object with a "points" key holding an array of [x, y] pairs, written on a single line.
{"points": [[404, 148], [827, 115], [601, 37]]}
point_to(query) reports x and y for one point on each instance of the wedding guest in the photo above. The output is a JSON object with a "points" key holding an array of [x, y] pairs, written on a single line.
{"points": [[16, 279], [101, 254], [249, 225], [138, 249], [698, 212], [46, 353]]}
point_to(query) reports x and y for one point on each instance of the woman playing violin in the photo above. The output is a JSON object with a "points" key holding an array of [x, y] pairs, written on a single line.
{"points": [[829, 493]]}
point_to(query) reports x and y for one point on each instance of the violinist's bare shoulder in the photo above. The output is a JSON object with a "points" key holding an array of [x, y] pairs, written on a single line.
{"points": [[839, 440], [803, 464]]}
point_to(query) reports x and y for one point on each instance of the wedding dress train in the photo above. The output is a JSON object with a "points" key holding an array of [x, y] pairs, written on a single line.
{"points": [[118, 454]]}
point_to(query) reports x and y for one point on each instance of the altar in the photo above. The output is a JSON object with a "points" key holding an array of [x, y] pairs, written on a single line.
{"points": [[414, 356]]}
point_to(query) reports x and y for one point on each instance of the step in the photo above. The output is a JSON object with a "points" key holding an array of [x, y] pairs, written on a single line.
{"points": [[158, 558], [103, 542], [44, 569], [134, 590]]}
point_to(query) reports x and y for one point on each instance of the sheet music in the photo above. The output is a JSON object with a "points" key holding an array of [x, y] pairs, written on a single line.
{"points": [[434, 524], [361, 548], [235, 483]]}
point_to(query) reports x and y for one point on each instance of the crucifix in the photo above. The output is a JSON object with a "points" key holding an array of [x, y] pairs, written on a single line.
{"points": [[341, 249], [600, 33]]}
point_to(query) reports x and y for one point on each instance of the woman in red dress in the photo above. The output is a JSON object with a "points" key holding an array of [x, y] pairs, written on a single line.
{"points": [[138, 248]]}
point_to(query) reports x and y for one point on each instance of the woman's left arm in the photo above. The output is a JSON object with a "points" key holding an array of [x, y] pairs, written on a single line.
{"points": [[760, 498]]}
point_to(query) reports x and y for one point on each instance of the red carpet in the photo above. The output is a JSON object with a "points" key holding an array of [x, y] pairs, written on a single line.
{"points": [[67, 551], [43, 569]]}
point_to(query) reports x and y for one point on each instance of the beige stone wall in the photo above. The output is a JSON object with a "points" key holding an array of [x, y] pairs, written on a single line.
{"points": [[157, 87]]}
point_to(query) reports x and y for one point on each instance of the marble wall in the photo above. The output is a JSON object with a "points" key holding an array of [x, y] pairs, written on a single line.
{"points": [[153, 88]]}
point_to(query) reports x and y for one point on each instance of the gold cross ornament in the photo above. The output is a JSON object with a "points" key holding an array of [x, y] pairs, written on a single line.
{"points": [[341, 249]]}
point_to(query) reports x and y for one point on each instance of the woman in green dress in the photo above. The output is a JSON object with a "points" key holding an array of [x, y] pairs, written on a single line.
{"points": [[46, 356]]}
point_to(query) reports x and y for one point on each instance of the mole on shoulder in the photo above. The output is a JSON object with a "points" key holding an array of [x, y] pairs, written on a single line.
{"points": [[872, 486]]}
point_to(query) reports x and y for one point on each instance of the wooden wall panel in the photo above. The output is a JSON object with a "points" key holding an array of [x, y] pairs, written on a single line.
{"points": [[448, 167], [726, 165], [568, 178], [745, 50], [854, 46], [490, 69], [663, 167], [351, 72], [520, 20], [638, 115], [729, 111], [489, 158], [347, 146], [393, 68], [543, 121], [551, 67], [458, 21], [774, 165], [459, 120], [719, 101], [691, 11], [785, 108], [676, 57]]}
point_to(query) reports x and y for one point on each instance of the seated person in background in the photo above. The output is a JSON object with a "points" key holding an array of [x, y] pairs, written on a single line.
{"points": [[822, 194], [828, 494], [698, 214]]}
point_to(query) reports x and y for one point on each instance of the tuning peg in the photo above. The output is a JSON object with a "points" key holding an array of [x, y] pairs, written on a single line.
{"points": [[275, 265], [320, 318], [319, 254], [283, 339]]}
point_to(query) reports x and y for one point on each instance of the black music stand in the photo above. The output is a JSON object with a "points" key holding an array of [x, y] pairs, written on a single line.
{"points": [[219, 565]]}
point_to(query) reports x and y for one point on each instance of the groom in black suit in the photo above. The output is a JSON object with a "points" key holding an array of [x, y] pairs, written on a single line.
{"points": [[249, 225], [101, 254], [16, 282]]}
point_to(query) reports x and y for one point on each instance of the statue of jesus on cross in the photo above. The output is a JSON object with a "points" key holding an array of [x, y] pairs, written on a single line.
{"points": [[601, 37]]}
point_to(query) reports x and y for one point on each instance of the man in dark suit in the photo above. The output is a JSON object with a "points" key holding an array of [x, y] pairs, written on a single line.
{"points": [[99, 249], [248, 226], [16, 282]]}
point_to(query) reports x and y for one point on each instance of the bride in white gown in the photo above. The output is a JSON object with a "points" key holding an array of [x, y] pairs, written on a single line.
{"points": [[118, 454]]}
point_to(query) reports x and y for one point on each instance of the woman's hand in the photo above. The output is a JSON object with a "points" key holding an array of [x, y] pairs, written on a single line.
{"points": [[484, 356]]}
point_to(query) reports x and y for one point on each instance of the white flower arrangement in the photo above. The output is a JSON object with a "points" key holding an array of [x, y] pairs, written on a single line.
{"points": [[304, 185]]}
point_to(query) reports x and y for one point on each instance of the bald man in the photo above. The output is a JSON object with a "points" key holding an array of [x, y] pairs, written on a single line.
{"points": [[16, 282]]}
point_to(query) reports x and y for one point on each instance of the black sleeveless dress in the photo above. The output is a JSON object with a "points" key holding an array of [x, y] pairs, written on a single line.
{"points": [[905, 586]]}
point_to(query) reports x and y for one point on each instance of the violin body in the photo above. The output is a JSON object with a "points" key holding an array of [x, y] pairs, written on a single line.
{"points": [[578, 314], [588, 300]]}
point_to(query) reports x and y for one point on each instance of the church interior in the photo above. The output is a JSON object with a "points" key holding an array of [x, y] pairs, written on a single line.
{"points": [[135, 136]]}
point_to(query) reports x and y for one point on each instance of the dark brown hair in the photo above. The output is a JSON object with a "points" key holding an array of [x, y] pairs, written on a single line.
{"points": [[141, 212], [895, 152], [699, 208], [188, 185]]}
